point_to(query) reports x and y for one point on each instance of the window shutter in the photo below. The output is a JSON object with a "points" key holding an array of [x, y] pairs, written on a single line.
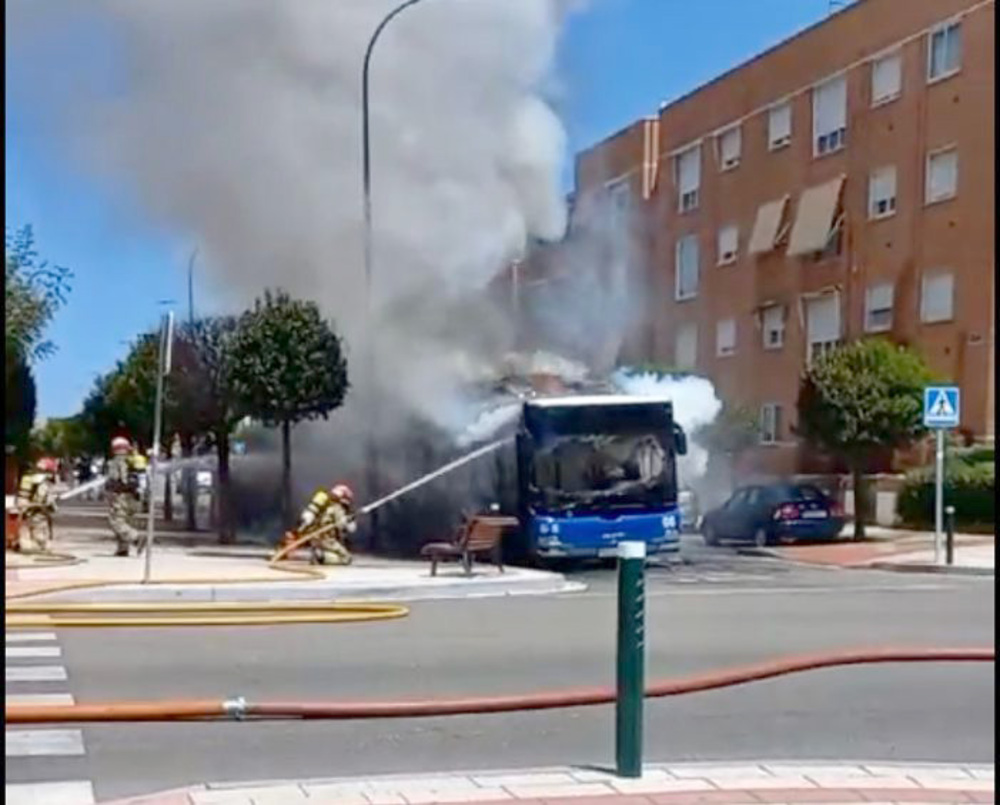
{"points": [[942, 175], [730, 143], [689, 170], [937, 298], [779, 123], [823, 319], [886, 77], [686, 346], [725, 337], [728, 243]]}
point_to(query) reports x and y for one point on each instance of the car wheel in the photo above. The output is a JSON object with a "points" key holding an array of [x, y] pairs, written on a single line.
{"points": [[761, 538], [709, 535]]}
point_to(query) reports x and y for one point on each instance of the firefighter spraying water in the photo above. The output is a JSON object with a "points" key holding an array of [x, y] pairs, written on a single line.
{"points": [[324, 526]]}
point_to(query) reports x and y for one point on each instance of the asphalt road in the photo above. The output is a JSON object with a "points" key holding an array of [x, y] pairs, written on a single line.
{"points": [[716, 610]]}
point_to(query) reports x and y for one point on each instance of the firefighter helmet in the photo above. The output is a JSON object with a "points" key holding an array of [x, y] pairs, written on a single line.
{"points": [[343, 493], [120, 445], [47, 465]]}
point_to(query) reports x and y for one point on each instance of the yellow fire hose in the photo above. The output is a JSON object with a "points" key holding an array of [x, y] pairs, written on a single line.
{"points": [[213, 613]]}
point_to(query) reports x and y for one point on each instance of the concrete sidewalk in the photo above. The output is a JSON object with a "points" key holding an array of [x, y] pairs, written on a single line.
{"points": [[888, 549], [208, 572], [663, 784]]}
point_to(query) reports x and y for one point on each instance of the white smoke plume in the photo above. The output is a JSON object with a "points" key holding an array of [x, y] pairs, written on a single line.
{"points": [[695, 404], [237, 123]]}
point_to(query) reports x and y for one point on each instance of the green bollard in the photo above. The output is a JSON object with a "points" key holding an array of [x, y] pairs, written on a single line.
{"points": [[631, 658]]}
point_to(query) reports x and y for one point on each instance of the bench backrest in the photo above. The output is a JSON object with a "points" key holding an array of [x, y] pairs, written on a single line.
{"points": [[483, 533]]}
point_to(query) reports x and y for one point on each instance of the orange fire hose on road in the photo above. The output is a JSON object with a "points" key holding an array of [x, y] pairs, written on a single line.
{"points": [[239, 709]]}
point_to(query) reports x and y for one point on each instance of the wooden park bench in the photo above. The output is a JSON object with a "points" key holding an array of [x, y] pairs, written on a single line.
{"points": [[480, 534]]}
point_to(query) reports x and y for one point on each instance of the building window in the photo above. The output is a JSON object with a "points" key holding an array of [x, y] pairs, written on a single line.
{"points": [[882, 192], [878, 308], [937, 298], [686, 268], [779, 126], [730, 143], [774, 327], [944, 51], [728, 245], [942, 175], [686, 346], [725, 337], [770, 423], [822, 324], [619, 207], [887, 78], [688, 179], [830, 116]]}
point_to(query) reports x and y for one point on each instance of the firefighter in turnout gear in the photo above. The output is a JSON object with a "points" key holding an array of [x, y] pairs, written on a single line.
{"points": [[329, 514], [36, 503], [123, 495]]}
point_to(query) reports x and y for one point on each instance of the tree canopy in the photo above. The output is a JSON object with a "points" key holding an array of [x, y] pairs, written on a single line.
{"points": [[290, 367], [33, 291], [859, 398]]}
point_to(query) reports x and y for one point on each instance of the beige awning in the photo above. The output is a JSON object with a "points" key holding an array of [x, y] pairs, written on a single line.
{"points": [[767, 226], [815, 218]]}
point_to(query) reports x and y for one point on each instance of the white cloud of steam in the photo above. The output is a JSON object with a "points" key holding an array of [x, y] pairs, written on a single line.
{"points": [[695, 405], [237, 123]]}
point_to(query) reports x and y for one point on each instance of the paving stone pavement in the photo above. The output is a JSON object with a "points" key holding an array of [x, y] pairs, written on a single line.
{"points": [[660, 784]]}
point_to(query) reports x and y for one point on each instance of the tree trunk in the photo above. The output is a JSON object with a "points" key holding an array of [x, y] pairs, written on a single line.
{"points": [[189, 479], [860, 498], [227, 531], [286, 473]]}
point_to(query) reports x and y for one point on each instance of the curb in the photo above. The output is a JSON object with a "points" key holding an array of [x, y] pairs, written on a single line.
{"points": [[877, 564], [735, 781], [923, 567], [276, 591]]}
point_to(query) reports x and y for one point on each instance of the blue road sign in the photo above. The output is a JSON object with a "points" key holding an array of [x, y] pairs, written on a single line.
{"points": [[942, 406]]}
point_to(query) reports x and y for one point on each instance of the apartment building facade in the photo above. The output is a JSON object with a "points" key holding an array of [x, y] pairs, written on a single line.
{"points": [[837, 186]]}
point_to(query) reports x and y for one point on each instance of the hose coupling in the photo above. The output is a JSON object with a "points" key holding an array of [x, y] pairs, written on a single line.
{"points": [[235, 708]]}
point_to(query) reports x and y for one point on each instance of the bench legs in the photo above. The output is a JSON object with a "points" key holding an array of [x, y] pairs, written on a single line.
{"points": [[434, 566]]}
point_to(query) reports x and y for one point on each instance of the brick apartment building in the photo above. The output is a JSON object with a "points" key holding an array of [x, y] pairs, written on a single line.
{"points": [[837, 185]]}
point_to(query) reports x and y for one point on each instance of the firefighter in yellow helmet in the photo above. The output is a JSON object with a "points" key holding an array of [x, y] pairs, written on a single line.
{"points": [[123, 494], [329, 514], [36, 503]]}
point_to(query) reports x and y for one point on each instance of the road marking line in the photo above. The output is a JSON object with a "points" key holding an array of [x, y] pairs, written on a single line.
{"points": [[29, 637], [663, 593], [42, 699], [47, 743], [16, 652], [72, 792], [35, 673]]}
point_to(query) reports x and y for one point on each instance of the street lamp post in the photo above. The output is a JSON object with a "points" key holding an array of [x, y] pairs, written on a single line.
{"points": [[366, 187]]}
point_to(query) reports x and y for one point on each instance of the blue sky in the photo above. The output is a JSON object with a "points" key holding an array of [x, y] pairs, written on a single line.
{"points": [[617, 62]]}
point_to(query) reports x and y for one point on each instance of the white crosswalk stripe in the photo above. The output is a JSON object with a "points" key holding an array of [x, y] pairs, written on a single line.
{"points": [[30, 637], [35, 673], [26, 652], [31, 744], [73, 792], [38, 699], [36, 742]]}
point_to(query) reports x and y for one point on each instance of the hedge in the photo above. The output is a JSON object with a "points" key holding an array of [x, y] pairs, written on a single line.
{"points": [[969, 487]]}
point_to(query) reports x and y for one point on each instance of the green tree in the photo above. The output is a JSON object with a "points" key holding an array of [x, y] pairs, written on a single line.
{"points": [[19, 398], [859, 398], [291, 367], [33, 291], [63, 438]]}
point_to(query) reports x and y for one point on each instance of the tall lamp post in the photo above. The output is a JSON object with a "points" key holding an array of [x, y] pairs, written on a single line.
{"points": [[366, 186]]}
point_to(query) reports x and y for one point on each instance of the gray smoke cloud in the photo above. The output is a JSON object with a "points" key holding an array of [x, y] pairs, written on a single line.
{"points": [[237, 124]]}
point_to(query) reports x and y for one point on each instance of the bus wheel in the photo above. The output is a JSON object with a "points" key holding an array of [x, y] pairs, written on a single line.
{"points": [[708, 533]]}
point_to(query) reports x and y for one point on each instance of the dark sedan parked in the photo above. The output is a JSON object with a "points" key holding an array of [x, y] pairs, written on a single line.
{"points": [[771, 513]]}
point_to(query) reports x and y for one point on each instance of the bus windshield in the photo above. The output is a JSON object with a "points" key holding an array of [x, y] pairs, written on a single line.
{"points": [[601, 457]]}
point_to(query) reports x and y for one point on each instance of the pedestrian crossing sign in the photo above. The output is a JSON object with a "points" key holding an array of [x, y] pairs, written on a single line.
{"points": [[941, 406]]}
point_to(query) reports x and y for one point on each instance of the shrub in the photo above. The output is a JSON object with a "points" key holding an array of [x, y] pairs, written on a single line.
{"points": [[969, 487]]}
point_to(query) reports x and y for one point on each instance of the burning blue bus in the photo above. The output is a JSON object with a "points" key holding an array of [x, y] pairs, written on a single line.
{"points": [[597, 470]]}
